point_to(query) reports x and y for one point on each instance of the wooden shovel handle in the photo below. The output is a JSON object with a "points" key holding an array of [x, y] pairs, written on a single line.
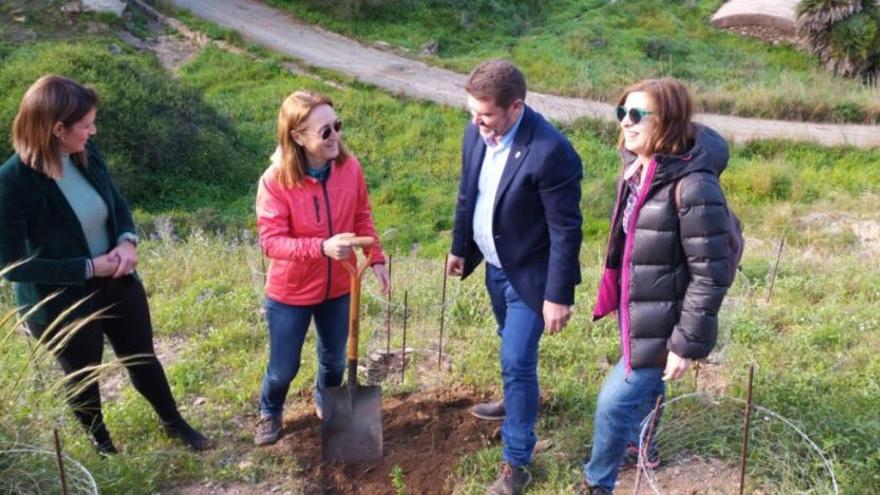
{"points": [[361, 241], [356, 272]]}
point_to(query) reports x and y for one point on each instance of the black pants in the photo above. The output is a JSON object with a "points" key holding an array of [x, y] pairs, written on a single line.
{"points": [[127, 326]]}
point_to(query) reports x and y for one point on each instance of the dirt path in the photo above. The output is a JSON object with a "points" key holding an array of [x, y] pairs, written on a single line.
{"points": [[314, 46]]}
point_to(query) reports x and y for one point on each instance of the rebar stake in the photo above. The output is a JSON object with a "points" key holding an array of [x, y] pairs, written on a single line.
{"points": [[442, 315], [403, 348], [745, 443], [388, 316], [775, 269], [60, 460], [644, 453]]}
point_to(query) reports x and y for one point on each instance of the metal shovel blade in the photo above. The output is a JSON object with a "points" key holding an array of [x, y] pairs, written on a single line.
{"points": [[352, 426]]}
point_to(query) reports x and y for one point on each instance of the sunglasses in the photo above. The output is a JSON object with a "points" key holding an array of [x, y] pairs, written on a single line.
{"points": [[635, 114], [326, 131]]}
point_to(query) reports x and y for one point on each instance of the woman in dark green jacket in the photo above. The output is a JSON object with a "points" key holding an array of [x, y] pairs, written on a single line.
{"points": [[67, 237]]}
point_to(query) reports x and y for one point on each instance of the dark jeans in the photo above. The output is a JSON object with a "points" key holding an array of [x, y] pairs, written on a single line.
{"points": [[287, 332], [520, 330], [127, 326]]}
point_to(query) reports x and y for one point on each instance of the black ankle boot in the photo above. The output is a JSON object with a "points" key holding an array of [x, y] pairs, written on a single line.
{"points": [[102, 443], [181, 430]]}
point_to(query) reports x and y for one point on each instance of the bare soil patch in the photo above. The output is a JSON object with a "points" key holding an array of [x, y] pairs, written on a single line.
{"points": [[689, 476], [425, 434]]}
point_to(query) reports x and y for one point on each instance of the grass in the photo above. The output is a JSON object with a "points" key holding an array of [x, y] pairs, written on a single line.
{"points": [[816, 343], [595, 48], [815, 346]]}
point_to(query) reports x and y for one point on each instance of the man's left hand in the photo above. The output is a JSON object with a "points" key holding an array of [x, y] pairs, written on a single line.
{"points": [[556, 316]]}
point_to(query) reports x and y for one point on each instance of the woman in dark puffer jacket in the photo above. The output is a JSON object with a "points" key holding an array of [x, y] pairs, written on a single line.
{"points": [[666, 267]]}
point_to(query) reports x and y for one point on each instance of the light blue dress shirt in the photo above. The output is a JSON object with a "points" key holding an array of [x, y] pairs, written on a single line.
{"points": [[487, 187]]}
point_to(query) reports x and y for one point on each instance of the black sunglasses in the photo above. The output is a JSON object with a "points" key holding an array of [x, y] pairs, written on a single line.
{"points": [[325, 131], [635, 114]]}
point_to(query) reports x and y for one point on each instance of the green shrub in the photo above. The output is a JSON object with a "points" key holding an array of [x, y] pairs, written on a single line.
{"points": [[158, 136]]}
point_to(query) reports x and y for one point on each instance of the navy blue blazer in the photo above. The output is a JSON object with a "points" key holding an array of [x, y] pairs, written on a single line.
{"points": [[536, 219]]}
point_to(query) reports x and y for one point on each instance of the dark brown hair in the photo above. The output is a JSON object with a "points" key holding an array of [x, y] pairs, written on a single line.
{"points": [[673, 111], [50, 100], [497, 80], [294, 111]]}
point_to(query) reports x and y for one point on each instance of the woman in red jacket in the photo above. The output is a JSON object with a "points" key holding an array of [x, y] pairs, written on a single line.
{"points": [[311, 201]]}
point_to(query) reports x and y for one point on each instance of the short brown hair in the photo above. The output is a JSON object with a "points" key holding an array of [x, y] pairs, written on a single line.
{"points": [[497, 80], [49, 100], [673, 110], [294, 111]]}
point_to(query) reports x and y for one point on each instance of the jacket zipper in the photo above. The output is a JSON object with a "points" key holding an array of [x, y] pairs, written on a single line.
{"points": [[329, 232], [626, 268]]}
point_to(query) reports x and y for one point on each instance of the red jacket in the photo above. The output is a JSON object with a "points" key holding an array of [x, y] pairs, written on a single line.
{"points": [[292, 224]]}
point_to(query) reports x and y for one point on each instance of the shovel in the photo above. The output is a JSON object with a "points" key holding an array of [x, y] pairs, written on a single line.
{"points": [[352, 425]]}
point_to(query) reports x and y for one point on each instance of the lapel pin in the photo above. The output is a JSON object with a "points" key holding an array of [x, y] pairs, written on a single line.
{"points": [[517, 154]]}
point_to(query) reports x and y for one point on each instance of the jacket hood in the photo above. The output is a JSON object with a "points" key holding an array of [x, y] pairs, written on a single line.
{"points": [[708, 154]]}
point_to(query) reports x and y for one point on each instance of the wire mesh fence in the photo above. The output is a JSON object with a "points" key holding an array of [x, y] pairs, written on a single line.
{"points": [[30, 470], [699, 440]]}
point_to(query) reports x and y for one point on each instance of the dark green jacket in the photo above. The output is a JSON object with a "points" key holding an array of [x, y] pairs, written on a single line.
{"points": [[38, 226]]}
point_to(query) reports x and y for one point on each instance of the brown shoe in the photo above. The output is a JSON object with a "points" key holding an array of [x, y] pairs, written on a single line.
{"points": [[512, 480], [268, 430], [490, 411]]}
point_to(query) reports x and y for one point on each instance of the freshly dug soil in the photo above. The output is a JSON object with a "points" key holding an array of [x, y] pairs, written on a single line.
{"points": [[425, 435]]}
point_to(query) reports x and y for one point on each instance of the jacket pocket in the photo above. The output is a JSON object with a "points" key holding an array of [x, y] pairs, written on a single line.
{"points": [[317, 204]]}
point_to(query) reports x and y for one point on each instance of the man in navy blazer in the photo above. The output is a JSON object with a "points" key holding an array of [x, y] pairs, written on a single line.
{"points": [[519, 209]]}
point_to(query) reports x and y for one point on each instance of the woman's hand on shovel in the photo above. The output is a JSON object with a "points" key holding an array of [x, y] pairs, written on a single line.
{"points": [[338, 247]]}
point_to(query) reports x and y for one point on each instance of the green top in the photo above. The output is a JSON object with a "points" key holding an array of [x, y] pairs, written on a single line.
{"points": [[88, 206]]}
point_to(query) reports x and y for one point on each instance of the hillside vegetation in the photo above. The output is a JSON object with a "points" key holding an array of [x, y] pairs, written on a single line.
{"points": [[594, 48]]}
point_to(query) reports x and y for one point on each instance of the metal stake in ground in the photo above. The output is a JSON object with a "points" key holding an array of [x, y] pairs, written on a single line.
{"points": [[442, 315], [775, 269], [745, 444], [60, 460], [403, 348], [388, 316], [643, 453]]}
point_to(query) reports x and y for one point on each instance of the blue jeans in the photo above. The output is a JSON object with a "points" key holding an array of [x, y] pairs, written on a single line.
{"points": [[520, 329], [287, 332], [624, 402]]}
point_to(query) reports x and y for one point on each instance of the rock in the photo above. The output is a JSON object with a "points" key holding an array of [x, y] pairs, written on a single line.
{"points": [[199, 401], [71, 7], [431, 48], [382, 45], [115, 7], [599, 43], [114, 49]]}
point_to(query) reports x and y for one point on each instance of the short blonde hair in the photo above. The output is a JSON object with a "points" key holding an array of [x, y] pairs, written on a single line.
{"points": [[294, 111], [51, 99]]}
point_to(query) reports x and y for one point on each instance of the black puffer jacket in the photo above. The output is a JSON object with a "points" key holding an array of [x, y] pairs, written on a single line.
{"points": [[677, 273]]}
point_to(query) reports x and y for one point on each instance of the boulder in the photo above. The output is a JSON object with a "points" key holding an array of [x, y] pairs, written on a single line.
{"points": [[114, 6]]}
